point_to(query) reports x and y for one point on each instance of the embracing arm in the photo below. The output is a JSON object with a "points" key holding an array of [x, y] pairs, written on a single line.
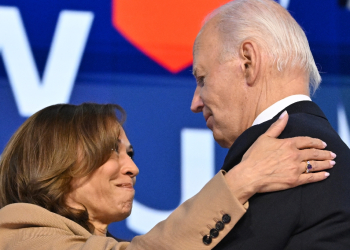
{"points": [[261, 170], [190, 222], [27, 226]]}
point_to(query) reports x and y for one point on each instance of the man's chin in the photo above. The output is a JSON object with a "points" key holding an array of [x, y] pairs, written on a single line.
{"points": [[221, 140]]}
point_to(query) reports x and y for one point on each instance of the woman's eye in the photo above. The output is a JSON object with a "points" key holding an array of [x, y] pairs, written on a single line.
{"points": [[130, 154]]}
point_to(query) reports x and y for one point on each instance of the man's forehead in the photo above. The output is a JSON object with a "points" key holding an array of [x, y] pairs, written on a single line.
{"points": [[208, 36], [207, 45], [198, 43], [198, 50]]}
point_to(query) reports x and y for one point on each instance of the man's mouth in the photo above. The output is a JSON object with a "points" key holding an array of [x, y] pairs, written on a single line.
{"points": [[209, 122], [206, 116]]}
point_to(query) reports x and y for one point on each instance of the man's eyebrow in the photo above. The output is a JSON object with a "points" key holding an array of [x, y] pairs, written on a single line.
{"points": [[194, 72], [198, 70]]}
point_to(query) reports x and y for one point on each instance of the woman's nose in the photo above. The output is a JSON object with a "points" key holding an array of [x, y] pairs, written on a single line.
{"points": [[130, 168]]}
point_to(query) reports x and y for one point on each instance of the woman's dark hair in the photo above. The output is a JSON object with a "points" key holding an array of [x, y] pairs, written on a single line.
{"points": [[53, 146]]}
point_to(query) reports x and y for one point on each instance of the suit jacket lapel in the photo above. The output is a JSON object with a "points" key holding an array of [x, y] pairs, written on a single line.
{"points": [[248, 137]]}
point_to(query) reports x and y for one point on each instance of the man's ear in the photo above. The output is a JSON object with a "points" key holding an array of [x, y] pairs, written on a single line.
{"points": [[250, 56]]}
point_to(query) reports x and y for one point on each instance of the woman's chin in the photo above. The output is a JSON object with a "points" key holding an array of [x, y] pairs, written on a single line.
{"points": [[124, 213]]}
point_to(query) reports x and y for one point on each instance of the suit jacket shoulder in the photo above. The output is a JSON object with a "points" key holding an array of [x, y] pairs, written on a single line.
{"points": [[313, 216], [27, 226]]}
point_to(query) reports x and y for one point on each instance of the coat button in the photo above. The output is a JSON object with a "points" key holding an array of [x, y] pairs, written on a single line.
{"points": [[214, 233], [219, 225], [207, 240], [226, 218]]}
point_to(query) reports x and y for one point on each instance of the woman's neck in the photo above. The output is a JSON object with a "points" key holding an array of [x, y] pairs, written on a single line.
{"points": [[100, 228]]}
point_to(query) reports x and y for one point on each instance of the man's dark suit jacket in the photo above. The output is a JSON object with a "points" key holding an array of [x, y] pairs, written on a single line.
{"points": [[314, 216]]}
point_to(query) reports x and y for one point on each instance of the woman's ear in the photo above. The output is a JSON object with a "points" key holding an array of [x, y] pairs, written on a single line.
{"points": [[250, 57]]}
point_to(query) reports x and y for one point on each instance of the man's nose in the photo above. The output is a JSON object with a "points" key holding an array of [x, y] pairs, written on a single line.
{"points": [[197, 103]]}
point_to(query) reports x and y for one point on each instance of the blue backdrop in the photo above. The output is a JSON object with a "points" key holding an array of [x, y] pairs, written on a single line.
{"points": [[69, 51]]}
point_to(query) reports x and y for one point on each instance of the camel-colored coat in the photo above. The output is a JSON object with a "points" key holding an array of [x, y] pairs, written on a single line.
{"points": [[30, 227]]}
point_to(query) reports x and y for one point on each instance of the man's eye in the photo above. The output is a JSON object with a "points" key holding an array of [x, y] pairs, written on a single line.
{"points": [[200, 80]]}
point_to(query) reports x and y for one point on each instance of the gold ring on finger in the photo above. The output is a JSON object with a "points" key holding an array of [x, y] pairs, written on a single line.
{"points": [[308, 167]]}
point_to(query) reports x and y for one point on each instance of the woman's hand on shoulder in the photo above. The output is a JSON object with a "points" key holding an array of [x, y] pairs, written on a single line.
{"points": [[272, 164]]}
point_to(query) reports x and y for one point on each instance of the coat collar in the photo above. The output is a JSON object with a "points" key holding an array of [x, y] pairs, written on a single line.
{"points": [[248, 137]]}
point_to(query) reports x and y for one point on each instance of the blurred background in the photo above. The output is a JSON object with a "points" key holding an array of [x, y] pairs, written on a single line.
{"points": [[138, 54]]}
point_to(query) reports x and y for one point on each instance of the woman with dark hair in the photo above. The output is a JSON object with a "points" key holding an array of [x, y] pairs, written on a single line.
{"points": [[68, 172]]}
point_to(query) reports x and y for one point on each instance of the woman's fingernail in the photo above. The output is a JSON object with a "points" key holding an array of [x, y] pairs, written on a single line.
{"points": [[324, 144], [333, 155], [283, 114], [327, 174], [332, 163]]}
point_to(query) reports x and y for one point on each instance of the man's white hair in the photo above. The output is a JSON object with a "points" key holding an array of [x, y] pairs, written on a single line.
{"points": [[273, 28]]}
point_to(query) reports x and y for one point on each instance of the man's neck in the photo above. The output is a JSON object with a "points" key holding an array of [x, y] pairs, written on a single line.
{"points": [[279, 106], [280, 86]]}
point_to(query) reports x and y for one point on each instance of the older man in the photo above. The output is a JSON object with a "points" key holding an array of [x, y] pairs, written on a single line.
{"points": [[252, 61]]}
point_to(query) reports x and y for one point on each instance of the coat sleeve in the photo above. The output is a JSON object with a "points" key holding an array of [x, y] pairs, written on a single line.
{"points": [[186, 226], [183, 229]]}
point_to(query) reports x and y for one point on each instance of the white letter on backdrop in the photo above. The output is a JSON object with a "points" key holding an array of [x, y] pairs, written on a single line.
{"points": [[32, 94]]}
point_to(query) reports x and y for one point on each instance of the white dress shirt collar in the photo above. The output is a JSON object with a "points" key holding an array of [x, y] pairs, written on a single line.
{"points": [[277, 107]]}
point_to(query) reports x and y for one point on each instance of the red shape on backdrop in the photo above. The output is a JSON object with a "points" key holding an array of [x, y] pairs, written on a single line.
{"points": [[164, 30]]}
